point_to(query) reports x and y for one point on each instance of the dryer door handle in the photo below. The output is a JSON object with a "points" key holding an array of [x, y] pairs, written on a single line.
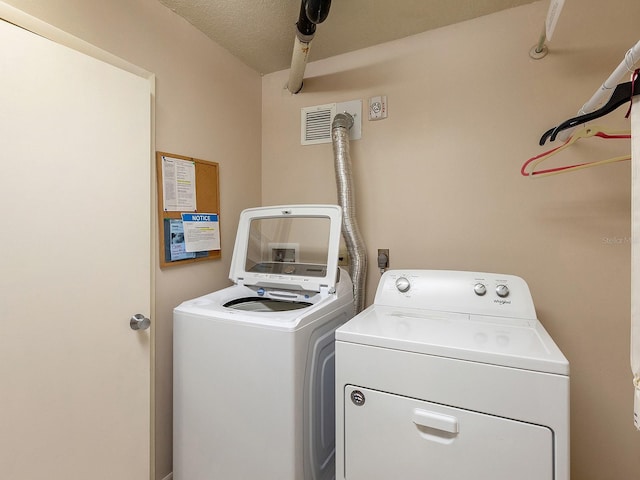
{"points": [[435, 421]]}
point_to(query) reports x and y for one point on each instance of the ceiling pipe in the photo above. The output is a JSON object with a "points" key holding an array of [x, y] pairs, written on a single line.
{"points": [[317, 10], [312, 12]]}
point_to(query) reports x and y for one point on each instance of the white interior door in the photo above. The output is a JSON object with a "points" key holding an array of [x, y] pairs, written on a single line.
{"points": [[75, 264]]}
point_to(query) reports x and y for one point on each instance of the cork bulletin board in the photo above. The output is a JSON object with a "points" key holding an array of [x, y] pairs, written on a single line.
{"points": [[194, 189]]}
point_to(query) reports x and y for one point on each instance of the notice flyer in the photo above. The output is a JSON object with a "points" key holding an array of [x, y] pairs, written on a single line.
{"points": [[201, 231]]}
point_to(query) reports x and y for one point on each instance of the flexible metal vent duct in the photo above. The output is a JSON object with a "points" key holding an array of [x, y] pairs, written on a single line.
{"points": [[342, 122]]}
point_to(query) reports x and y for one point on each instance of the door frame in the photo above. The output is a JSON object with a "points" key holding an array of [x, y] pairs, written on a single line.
{"points": [[39, 27]]}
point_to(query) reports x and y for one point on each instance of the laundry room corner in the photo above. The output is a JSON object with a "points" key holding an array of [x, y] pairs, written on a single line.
{"points": [[445, 122], [438, 183]]}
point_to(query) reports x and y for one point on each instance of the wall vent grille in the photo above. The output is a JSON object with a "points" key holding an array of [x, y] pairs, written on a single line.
{"points": [[316, 124]]}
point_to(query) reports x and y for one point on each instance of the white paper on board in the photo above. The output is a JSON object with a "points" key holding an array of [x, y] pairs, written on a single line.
{"points": [[178, 185]]}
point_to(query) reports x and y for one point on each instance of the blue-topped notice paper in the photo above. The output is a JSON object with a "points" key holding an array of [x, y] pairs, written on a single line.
{"points": [[201, 231]]}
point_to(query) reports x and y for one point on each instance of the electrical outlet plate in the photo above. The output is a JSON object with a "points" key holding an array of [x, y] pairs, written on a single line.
{"points": [[378, 107], [285, 252]]}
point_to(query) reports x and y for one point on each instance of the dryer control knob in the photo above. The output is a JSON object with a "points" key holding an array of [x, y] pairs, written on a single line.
{"points": [[403, 284], [480, 289], [502, 291]]}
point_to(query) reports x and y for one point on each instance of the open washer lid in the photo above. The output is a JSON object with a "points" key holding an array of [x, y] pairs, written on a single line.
{"points": [[293, 247]]}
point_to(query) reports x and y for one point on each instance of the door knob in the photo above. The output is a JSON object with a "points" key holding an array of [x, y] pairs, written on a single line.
{"points": [[139, 322]]}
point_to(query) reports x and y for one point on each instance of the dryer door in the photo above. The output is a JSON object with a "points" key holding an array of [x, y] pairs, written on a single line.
{"points": [[389, 436]]}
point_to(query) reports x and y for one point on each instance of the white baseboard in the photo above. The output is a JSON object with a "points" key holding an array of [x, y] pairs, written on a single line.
{"points": [[168, 477]]}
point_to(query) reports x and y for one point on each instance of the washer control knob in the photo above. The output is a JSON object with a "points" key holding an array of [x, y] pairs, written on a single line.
{"points": [[402, 284], [480, 289], [502, 291]]}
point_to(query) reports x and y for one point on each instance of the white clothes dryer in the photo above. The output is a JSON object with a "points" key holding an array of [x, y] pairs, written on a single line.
{"points": [[450, 376], [254, 364]]}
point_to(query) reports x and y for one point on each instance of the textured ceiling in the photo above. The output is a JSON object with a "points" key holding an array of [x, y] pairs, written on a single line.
{"points": [[261, 32]]}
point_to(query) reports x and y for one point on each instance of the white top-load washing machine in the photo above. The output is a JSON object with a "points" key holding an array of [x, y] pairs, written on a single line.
{"points": [[450, 376], [254, 365]]}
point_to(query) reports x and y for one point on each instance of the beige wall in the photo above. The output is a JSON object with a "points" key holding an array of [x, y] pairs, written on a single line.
{"points": [[438, 183], [207, 106]]}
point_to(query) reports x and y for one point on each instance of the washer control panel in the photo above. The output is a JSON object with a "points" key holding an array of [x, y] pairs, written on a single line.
{"points": [[457, 291]]}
